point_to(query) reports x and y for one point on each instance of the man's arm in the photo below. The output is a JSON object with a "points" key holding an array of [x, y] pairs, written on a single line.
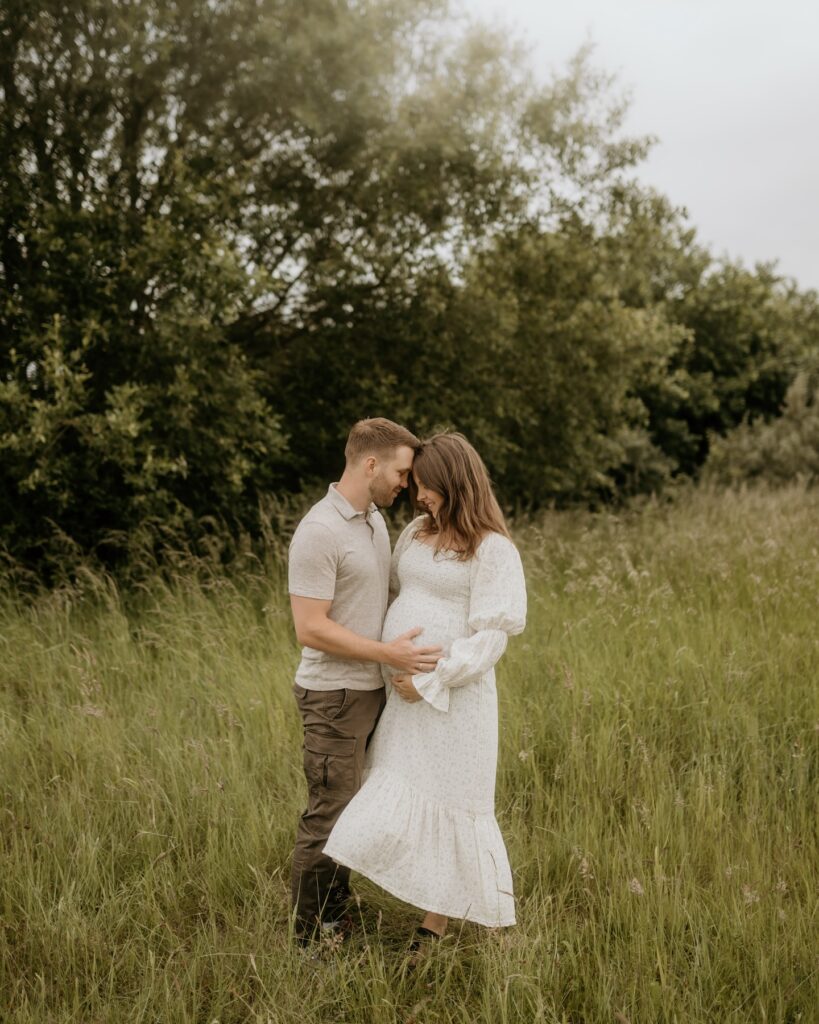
{"points": [[314, 628]]}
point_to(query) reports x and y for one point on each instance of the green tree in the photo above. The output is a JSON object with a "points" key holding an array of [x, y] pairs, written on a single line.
{"points": [[749, 334], [562, 351], [121, 401], [502, 158], [778, 451], [215, 219], [227, 230], [746, 332]]}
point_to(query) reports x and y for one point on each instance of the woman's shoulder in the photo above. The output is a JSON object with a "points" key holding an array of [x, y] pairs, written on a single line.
{"points": [[410, 531], [495, 544], [496, 555], [414, 525]]}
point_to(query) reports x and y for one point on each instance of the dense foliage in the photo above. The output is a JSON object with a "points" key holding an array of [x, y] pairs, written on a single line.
{"points": [[777, 451], [227, 230]]}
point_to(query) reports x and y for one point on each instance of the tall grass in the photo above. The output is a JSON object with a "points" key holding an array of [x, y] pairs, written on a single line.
{"points": [[657, 789]]}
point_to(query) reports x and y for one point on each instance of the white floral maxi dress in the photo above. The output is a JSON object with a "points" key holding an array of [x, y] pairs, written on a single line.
{"points": [[423, 825]]}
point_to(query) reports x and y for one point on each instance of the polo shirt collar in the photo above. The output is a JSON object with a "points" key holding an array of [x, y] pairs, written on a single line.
{"points": [[340, 503]]}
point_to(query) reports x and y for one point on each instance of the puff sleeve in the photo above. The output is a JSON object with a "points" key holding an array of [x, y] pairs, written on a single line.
{"points": [[497, 610]]}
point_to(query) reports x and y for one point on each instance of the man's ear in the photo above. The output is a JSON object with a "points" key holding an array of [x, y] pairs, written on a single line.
{"points": [[370, 464]]}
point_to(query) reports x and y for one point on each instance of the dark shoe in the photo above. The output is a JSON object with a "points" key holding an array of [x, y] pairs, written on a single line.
{"points": [[424, 933], [419, 947], [337, 903]]}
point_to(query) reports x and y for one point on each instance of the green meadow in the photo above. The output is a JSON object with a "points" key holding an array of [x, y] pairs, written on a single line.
{"points": [[657, 788]]}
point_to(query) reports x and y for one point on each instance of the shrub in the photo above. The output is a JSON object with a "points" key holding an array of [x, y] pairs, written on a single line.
{"points": [[778, 451]]}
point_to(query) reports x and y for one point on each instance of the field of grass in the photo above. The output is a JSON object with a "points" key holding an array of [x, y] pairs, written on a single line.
{"points": [[657, 790]]}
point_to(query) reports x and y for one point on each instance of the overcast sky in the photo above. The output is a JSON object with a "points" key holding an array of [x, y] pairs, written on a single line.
{"points": [[730, 88]]}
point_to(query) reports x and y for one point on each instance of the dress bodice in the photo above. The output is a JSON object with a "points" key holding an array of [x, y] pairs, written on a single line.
{"points": [[433, 595]]}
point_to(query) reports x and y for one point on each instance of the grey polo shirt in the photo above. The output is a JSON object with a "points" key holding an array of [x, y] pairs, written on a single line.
{"points": [[341, 555]]}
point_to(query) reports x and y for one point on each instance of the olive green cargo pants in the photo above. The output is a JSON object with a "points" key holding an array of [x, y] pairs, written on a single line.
{"points": [[337, 727]]}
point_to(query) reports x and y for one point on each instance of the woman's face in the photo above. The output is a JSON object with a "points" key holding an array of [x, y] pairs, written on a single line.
{"points": [[431, 501]]}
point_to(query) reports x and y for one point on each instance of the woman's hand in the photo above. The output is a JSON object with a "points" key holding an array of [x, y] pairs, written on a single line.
{"points": [[405, 688]]}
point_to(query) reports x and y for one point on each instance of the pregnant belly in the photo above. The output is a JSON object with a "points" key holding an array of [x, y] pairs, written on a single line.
{"points": [[441, 622]]}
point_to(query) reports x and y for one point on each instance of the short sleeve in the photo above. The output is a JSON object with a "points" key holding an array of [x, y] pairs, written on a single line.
{"points": [[313, 562], [497, 591]]}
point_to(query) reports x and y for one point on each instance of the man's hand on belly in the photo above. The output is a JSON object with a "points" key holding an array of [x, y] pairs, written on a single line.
{"points": [[402, 654], [405, 688], [315, 628]]}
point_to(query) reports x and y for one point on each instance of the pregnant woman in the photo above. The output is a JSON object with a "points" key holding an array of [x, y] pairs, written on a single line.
{"points": [[423, 824]]}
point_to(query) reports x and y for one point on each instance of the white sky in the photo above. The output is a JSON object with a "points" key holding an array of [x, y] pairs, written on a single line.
{"points": [[731, 90]]}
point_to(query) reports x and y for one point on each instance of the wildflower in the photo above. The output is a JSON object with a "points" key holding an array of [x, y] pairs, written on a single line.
{"points": [[91, 710], [642, 749], [749, 895], [524, 755], [635, 887], [642, 811]]}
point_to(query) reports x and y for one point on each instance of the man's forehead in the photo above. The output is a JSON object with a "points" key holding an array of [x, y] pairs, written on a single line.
{"points": [[398, 460], [403, 458]]}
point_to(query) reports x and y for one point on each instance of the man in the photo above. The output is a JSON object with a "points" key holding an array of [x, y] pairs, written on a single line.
{"points": [[338, 582]]}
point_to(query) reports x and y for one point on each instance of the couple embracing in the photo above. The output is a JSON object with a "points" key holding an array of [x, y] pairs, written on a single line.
{"points": [[401, 778]]}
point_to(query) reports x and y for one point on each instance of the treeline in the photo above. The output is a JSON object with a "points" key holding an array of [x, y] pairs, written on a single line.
{"points": [[231, 229]]}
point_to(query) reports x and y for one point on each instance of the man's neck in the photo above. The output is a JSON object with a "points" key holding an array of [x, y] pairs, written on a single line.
{"points": [[355, 491]]}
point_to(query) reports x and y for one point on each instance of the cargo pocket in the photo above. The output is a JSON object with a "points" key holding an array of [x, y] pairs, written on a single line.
{"points": [[328, 704], [335, 708], [329, 762]]}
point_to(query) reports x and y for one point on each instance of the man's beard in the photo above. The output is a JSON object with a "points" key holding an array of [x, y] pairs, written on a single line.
{"points": [[381, 495]]}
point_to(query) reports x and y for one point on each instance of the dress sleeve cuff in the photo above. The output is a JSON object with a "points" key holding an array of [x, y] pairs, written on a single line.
{"points": [[432, 690]]}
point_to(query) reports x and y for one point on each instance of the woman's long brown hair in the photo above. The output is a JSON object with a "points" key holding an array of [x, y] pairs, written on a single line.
{"points": [[447, 463]]}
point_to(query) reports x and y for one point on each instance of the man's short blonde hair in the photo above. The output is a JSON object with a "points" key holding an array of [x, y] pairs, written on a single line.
{"points": [[379, 437]]}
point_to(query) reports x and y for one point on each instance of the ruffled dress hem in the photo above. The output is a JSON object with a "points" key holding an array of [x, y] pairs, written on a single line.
{"points": [[397, 836], [416, 901]]}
